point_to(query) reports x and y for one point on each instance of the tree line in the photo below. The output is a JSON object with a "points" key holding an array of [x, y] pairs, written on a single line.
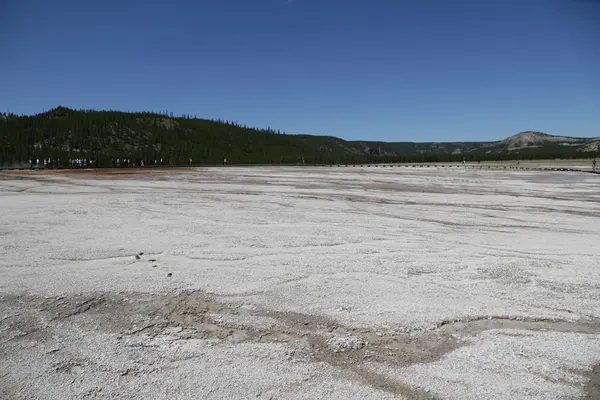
{"points": [[104, 136]]}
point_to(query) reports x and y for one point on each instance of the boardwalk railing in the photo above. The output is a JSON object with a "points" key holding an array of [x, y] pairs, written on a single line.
{"points": [[423, 165]]}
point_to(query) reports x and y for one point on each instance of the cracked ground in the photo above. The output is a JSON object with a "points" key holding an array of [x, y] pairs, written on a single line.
{"points": [[289, 283]]}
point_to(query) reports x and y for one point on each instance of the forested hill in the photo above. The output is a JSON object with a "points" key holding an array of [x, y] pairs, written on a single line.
{"points": [[63, 133], [105, 135]]}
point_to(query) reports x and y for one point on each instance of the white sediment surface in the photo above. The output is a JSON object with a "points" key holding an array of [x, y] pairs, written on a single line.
{"points": [[276, 264]]}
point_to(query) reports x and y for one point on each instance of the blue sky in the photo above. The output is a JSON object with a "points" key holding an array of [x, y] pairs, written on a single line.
{"points": [[422, 70]]}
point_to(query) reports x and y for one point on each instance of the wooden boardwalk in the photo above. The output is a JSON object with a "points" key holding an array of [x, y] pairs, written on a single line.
{"points": [[420, 165], [477, 166]]}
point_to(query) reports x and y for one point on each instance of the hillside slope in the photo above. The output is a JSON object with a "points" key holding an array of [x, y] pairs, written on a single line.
{"points": [[106, 135]]}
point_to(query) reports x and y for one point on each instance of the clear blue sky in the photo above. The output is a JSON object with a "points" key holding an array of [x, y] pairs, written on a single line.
{"points": [[389, 70]]}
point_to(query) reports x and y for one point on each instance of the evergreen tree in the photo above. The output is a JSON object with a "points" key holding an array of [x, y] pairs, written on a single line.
{"points": [[144, 136]]}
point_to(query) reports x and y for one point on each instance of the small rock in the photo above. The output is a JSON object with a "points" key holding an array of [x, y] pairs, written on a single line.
{"points": [[152, 260], [169, 274], [137, 257], [154, 266], [338, 344], [141, 254]]}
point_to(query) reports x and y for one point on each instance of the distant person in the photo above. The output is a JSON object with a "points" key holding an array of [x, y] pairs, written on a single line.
{"points": [[594, 164], [162, 162]]}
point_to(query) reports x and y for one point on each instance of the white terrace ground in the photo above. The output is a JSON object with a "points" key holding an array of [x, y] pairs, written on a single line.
{"points": [[302, 283]]}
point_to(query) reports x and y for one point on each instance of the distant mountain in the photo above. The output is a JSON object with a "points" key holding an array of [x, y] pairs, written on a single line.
{"points": [[107, 135], [521, 143], [529, 140]]}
